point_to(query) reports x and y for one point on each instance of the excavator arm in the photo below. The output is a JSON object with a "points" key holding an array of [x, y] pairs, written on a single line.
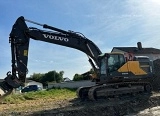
{"points": [[19, 39]]}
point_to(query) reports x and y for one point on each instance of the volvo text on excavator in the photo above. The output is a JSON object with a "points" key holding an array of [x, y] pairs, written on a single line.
{"points": [[115, 74]]}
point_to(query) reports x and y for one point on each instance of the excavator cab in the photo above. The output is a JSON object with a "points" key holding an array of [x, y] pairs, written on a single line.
{"points": [[109, 65], [114, 67]]}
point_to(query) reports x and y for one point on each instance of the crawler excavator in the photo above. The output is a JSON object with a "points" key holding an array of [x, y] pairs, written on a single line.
{"points": [[115, 74]]}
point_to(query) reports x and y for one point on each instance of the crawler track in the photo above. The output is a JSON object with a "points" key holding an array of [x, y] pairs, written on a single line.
{"points": [[112, 90]]}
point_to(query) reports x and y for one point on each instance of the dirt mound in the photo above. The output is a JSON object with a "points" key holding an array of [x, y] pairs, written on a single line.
{"points": [[139, 105]]}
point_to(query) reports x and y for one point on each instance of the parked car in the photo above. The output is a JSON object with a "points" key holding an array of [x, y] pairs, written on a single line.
{"points": [[31, 88]]}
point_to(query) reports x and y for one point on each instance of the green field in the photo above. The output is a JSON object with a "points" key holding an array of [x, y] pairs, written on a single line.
{"points": [[56, 94]]}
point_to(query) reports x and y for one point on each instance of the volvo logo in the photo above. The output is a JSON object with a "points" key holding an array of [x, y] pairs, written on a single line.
{"points": [[56, 38]]}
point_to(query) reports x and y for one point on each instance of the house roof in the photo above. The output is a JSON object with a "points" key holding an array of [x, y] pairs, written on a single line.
{"points": [[136, 50]]}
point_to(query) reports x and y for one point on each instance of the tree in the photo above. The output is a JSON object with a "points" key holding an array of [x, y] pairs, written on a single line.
{"points": [[60, 76], [51, 76], [85, 76], [37, 76], [48, 77], [77, 77]]}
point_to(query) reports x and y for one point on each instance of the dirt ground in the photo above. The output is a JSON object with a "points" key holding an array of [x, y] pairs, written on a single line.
{"points": [[138, 105]]}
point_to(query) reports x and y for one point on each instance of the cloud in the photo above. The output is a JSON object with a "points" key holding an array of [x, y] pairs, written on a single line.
{"points": [[124, 23], [149, 12]]}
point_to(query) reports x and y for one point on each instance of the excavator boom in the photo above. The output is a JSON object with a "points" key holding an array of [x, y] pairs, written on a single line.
{"points": [[19, 38]]}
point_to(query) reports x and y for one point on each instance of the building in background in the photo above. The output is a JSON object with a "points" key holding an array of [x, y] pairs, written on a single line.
{"points": [[152, 53]]}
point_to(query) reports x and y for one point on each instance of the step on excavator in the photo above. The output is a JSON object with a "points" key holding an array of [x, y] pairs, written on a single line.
{"points": [[116, 73]]}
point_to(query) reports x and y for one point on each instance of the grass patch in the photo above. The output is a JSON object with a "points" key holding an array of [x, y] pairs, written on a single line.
{"points": [[56, 94]]}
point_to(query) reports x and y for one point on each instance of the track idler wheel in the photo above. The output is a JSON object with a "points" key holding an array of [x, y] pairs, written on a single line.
{"points": [[92, 94], [82, 92]]}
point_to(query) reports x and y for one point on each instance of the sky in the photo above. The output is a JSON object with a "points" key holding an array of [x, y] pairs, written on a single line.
{"points": [[108, 23]]}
